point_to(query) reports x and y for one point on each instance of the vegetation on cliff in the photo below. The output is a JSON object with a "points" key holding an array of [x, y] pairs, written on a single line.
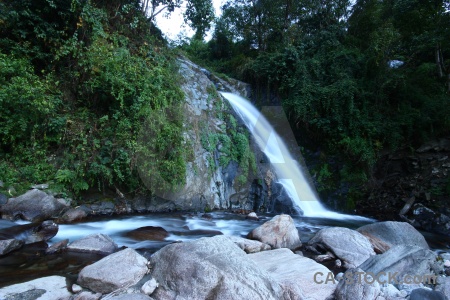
{"points": [[78, 81]]}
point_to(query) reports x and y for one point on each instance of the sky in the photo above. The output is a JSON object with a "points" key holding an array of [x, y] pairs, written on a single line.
{"points": [[173, 25]]}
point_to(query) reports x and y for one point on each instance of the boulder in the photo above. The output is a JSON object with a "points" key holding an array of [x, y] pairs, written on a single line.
{"points": [[51, 287], [249, 246], [401, 261], [252, 216], [351, 247], [152, 233], [210, 268], [30, 233], [426, 294], [34, 206], [296, 274], [73, 215], [94, 243], [7, 246], [384, 235], [279, 232], [115, 271], [355, 285]]}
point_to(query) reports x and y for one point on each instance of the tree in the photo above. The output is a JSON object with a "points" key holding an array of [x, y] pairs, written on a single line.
{"points": [[199, 15], [152, 8]]}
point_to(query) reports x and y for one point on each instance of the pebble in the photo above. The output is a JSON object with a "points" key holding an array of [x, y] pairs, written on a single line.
{"points": [[447, 263]]}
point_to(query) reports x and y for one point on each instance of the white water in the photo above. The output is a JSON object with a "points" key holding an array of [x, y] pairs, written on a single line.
{"points": [[288, 170]]}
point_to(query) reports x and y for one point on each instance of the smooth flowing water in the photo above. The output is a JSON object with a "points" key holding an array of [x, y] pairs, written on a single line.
{"points": [[31, 262], [288, 170]]}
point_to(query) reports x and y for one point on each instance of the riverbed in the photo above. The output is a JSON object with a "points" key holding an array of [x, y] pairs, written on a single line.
{"points": [[31, 261]]}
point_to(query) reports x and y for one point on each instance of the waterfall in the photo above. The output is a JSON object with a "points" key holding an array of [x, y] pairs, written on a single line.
{"points": [[288, 170]]}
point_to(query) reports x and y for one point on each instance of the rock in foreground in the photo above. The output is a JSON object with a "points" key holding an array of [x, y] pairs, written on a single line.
{"points": [[402, 261], [296, 274], [280, 232], [118, 270], [210, 268], [52, 287]]}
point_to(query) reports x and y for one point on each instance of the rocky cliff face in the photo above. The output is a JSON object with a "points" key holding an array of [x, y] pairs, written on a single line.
{"points": [[226, 169]]}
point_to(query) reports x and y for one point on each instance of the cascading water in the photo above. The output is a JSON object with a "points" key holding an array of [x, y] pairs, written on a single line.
{"points": [[288, 170]]}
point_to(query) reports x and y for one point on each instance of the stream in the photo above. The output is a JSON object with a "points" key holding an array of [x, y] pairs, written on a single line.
{"points": [[31, 262]]}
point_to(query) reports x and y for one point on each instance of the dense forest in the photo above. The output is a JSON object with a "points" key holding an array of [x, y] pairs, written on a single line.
{"points": [[80, 78], [359, 79]]}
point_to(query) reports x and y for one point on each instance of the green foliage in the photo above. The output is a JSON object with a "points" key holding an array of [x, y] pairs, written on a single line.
{"points": [[79, 81], [199, 15], [230, 145]]}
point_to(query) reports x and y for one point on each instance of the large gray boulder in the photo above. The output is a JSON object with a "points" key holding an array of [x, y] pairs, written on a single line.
{"points": [[385, 235], [34, 206], [296, 274], [94, 243], [351, 247], [399, 263], [121, 269], [51, 287], [356, 285], [279, 232], [210, 268]]}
